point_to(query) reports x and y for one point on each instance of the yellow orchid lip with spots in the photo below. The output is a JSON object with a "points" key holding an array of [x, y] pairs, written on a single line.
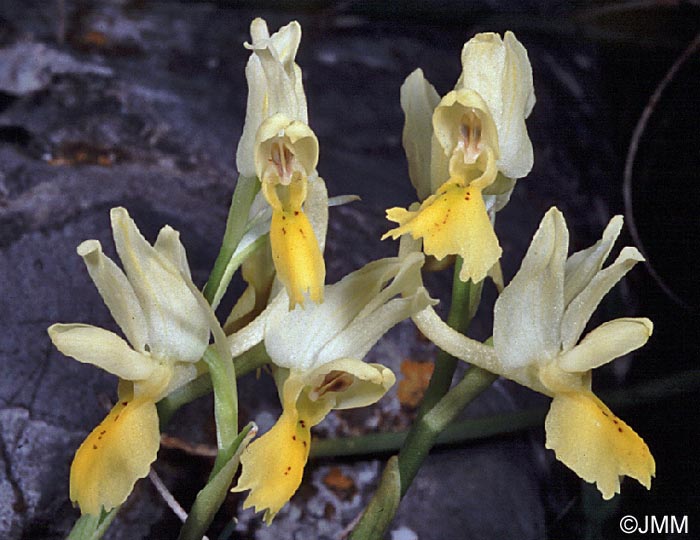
{"points": [[457, 146], [538, 322], [318, 354], [286, 154], [147, 300], [279, 147]]}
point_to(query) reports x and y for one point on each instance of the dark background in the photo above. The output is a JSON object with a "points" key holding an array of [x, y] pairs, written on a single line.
{"points": [[141, 103]]}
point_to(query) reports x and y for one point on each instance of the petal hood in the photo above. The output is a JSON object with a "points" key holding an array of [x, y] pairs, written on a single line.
{"points": [[274, 85], [178, 329], [499, 71]]}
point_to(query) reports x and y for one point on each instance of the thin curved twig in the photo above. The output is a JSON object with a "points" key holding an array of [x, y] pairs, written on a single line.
{"points": [[168, 497], [631, 155]]}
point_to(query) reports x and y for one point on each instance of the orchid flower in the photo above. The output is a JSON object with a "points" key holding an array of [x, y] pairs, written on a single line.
{"points": [[466, 150], [318, 356], [538, 322], [167, 327], [279, 147]]}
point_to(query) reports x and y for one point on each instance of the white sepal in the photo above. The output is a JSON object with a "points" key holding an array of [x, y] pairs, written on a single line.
{"points": [[528, 312], [101, 348]]}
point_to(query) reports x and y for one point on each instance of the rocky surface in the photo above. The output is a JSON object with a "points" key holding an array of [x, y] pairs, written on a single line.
{"points": [[141, 104]]}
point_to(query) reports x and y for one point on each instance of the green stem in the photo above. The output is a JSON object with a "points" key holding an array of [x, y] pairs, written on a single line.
{"points": [[243, 195], [425, 431], [417, 444], [440, 406], [381, 509], [465, 301], [202, 385], [89, 527], [212, 495], [460, 432], [223, 378], [503, 424]]}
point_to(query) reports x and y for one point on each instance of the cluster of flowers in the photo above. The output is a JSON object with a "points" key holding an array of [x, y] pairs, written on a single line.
{"points": [[465, 152]]}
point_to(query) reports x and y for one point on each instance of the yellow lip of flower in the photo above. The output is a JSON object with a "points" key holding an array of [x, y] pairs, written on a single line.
{"points": [[297, 256], [117, 452], [455, 221], [598, 446], [147, 302], [273, 465], [286, 154], [318, 351]]}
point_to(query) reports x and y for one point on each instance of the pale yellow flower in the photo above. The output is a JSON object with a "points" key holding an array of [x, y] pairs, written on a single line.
{"points": [[280, 148], [538, 322], [167, 328], [318, 352], [466, 150]]}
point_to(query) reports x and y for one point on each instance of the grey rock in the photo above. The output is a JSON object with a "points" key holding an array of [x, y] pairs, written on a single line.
{"points": [[27, 67], [33, 475]]}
